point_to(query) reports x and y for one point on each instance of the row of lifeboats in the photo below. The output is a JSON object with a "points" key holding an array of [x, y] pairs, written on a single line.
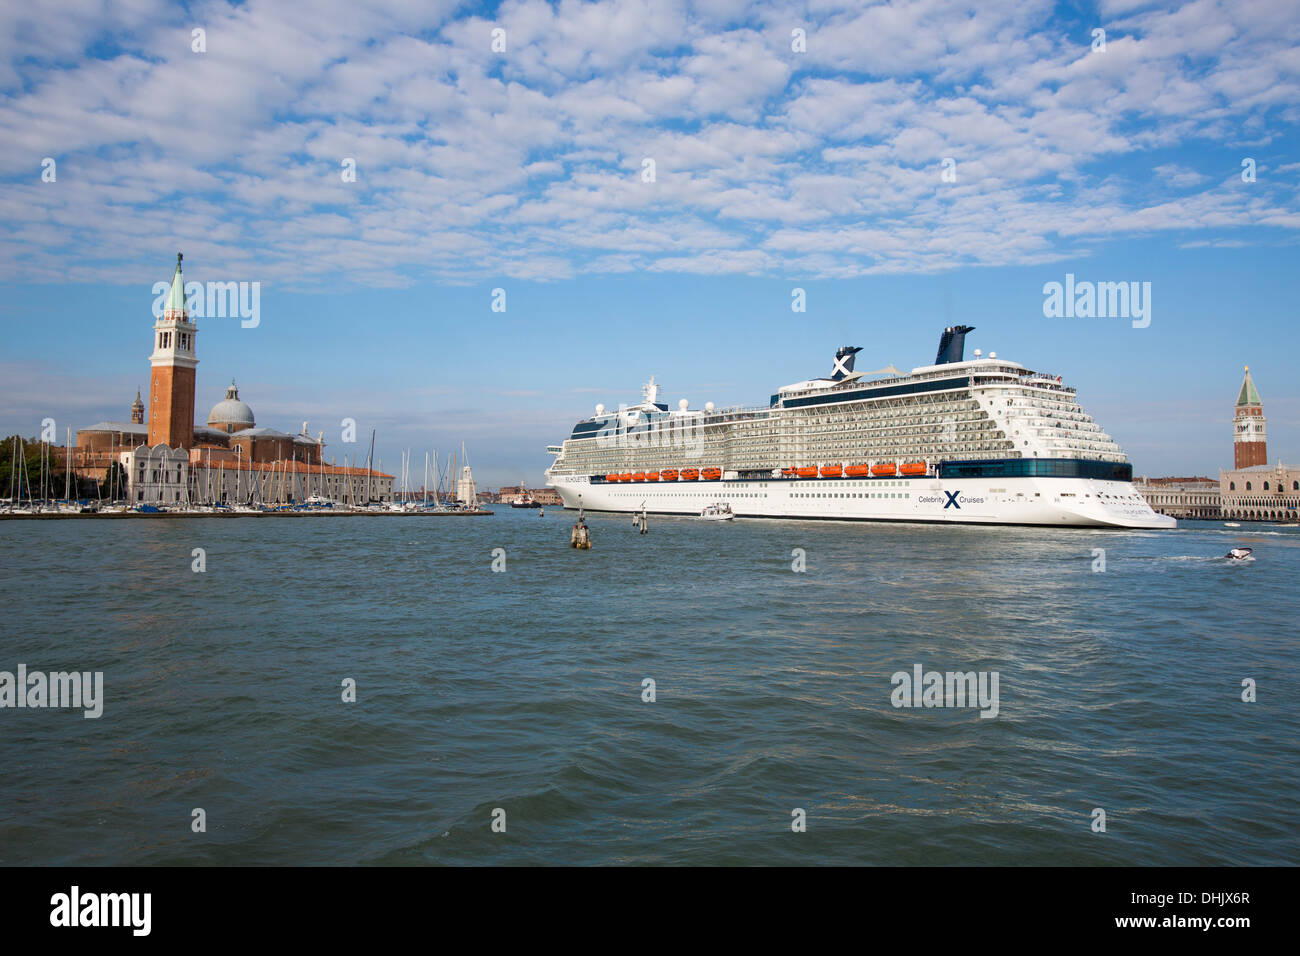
{"points": [[669, 474], [882, 470]]}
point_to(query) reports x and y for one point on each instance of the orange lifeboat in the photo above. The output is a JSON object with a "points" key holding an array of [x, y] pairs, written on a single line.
{"points": [[690, 474], [831, 471], [913, 468], [885, 469], [652, 476], [787, 471], [857, 471], [626, 476], [668, 475], [711, 474], [638, 476], [806, 472], [611, 477]]}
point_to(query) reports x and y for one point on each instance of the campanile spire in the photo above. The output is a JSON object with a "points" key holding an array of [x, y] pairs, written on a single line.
{"points": [[1249, 447]]}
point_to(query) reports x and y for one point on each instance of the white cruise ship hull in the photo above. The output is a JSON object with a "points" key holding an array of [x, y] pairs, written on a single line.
{"points": [[1056, 502]]}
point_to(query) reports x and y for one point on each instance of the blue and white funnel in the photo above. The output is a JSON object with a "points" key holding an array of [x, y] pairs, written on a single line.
{"points": [[844, 361]]}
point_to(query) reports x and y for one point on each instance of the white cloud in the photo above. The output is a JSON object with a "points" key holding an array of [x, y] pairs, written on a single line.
{"points": [[528, 163]]}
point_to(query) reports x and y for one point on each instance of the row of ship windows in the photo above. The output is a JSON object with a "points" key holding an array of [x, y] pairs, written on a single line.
{"points": [[1082, 422], [834, 451], [921, 433], [818, 416], [906, 415], [938, 427], [764, 455], [907, 447], [1061, 407], [881, 416], [962, 400], [869, 484], [715, 495], [935, 428], [860, 494]]}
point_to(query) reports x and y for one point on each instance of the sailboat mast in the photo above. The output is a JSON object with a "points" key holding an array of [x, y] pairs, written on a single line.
{"points": [[370, 458], [26, 478]]}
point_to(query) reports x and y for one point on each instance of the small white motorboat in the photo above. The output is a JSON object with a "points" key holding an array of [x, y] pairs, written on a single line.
{"points": [[1239, 554], [1231, 524], [720, 511]]}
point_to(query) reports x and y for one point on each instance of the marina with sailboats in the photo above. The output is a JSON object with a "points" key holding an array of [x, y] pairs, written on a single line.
{"points": [[237, 489]]}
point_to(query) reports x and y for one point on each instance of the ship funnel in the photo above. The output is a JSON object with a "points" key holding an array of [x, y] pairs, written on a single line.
{"points": [[844, 361], [952, 344]]}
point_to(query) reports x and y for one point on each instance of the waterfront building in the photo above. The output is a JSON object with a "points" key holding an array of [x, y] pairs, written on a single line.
{"points": [[162, 475], [157, 475], [1263, 493], [1182, 497]]}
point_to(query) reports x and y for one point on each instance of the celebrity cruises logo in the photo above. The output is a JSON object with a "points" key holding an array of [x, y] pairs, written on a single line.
{"points": [[82, 690], [922, 688]]}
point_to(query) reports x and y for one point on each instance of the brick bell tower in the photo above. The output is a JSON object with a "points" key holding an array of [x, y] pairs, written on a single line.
{"points": [[171, 380], [1248, 445]]}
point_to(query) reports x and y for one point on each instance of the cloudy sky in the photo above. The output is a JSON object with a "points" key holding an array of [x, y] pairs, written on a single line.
{"points": [[647, 182]]}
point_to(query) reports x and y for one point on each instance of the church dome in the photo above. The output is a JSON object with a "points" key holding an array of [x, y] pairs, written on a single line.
{"points": [[230, 414]]}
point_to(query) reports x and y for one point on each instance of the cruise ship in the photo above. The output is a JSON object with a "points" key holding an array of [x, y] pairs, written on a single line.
{"points": [[978, 441]]}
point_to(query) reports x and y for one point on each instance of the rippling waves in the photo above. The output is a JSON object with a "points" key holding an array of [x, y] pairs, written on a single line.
{"points": [[522, 691]]}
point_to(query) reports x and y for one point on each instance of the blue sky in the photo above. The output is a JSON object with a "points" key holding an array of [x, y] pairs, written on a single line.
{"points": [[522, 170]]}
